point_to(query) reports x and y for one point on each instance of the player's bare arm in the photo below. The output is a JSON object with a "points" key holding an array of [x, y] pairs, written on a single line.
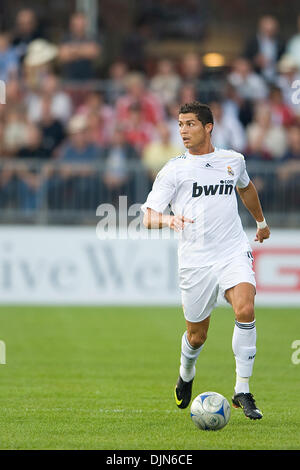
{"points": [[157, 220], [251, 201]]}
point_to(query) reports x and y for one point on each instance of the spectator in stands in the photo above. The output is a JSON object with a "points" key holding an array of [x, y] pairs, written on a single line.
{"points": [[228, 133], [20, 182], [293, 45], [266, 47], [52, 129], [119, 155], [28, 175], [80, 51], [151, 109], [266, 142], [15, 130], [137, 130], [100, 117], [14, 93], [39, 61], [282, 114], [78, 148], [191, 67], [34, 145], [9, 62], [193, 73], [187, 93], [288, 76], [247, 84], [289, 171], [157, 152], [117, 74], [26, 31], [98, 131], [75, 183], [232, 103], [93, 103], [166, 82], [265, 139], [134, 45], [61, 104], [244, 88], [291, 158], [14, 100]]}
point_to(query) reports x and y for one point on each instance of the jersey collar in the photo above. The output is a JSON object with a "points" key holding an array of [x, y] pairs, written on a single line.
{"points": [[204, 155]]}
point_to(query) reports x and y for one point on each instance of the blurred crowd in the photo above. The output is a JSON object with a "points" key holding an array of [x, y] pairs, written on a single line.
{"points": [[59, 109]]}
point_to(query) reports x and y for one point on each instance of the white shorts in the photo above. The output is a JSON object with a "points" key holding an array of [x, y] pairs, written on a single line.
{"points": [[200, 287]]}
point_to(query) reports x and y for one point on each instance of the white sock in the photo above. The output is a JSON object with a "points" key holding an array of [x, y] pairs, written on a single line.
{"points": [[244, 350], [189, 356], [241, 384]]}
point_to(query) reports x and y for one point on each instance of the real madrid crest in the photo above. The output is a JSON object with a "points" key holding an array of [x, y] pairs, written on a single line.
{"points": [[230, 171]]}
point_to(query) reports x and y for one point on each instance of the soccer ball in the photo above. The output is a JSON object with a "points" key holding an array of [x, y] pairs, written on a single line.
{"points": [[210, 411]]}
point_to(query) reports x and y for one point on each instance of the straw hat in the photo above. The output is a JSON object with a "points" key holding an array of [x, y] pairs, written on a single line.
{"points": [[286, 64], [77, 123], [40, 52]]}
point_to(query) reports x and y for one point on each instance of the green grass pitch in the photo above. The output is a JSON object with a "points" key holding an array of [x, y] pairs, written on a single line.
{"points": [[103, 378]]}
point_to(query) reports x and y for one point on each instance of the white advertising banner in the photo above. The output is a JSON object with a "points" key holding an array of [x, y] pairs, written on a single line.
{"points": [[67, 265]]}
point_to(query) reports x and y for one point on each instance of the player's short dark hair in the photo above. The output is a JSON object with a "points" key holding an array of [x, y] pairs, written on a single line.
{"points": [[202, 111]]}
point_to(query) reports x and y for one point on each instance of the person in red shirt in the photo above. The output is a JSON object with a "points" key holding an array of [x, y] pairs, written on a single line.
{"points": [[151, 109], [137, 130], [282, 114]]}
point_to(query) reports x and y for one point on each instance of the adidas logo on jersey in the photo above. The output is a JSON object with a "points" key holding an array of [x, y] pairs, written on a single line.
{"points": [[225, 187], [208, 165]]}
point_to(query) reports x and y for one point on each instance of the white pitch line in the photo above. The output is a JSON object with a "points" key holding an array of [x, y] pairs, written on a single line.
{"points": [[99, 410]]}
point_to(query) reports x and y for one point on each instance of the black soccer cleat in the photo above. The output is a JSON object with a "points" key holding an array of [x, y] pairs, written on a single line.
{"points": [[183, 393], [247, 403]]}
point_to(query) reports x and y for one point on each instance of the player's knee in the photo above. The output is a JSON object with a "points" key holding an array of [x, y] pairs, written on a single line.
{"points": [[245, 313], [196, 339]]}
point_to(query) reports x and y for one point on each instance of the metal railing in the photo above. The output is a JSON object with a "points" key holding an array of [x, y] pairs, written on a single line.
{"points": [[44, 193], [57, 193]]}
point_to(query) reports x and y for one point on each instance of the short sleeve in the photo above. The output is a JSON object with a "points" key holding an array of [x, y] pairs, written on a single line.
{"points": [[243, 179], [163, 190]]}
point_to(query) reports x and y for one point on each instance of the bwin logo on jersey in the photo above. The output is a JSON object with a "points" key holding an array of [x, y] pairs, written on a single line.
{"points": [[212, 189]]}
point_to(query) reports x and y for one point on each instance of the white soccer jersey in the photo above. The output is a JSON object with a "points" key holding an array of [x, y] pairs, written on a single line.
{"points": [[202, 188]]}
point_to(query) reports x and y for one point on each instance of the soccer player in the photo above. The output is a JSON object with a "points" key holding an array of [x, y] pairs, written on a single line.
{"points": [[214, 255]]}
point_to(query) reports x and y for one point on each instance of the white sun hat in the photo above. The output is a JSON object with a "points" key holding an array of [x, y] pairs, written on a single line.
{"points": [[77, 123], [286, 64], [40, 52]]}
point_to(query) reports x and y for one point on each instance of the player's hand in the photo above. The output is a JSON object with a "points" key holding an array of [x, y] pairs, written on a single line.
{"points": [[176, 222], [262, 234]]}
